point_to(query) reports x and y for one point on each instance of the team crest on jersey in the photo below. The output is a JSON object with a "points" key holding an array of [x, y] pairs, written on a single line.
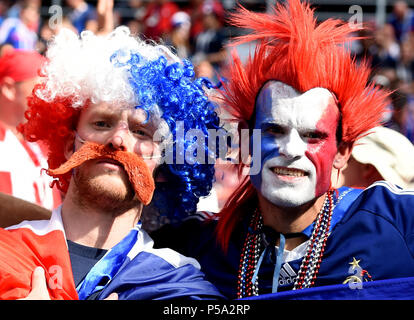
{"points": [[358, 275]]}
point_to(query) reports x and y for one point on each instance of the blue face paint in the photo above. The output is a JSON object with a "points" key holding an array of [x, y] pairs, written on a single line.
{"points": [[268, 150], [268, 146], [292, 134]]}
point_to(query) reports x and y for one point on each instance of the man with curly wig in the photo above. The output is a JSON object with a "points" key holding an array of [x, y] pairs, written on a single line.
{"points": [[111, 111]]}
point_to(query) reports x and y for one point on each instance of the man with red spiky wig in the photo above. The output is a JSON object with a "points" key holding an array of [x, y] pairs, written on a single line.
{"points": [[286, 228]]}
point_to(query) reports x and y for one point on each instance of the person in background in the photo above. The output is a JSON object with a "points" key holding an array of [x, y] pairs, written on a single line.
{"points": [[157, 19], [21, 32], [179, 37], [402, 20], [209, 43], [196, 9], [82, 15], [22, 161]]}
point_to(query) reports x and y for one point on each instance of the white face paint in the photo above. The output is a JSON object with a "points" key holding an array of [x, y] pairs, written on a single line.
{"points": [[298, 140]]}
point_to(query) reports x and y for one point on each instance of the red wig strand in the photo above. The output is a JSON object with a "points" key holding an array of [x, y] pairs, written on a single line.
{"points": [[294, 49], [53, 124]]}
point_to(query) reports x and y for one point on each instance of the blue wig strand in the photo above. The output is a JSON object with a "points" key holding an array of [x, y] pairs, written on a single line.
{"points": [[181, 98]]}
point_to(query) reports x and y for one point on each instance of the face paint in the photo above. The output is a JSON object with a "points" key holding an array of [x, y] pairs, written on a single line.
{"points": [[298, 143], [322, 152]]}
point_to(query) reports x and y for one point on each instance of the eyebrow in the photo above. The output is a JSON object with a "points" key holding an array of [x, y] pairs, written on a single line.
{"points": [[269, 124]]}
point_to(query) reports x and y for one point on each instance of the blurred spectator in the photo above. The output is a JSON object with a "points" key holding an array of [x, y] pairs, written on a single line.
{"points": [[157, 19], [196, 11], [386, 78], [138, 8], [16, 6], [20, 170], [82, 15], [134, 26], [399, 113], [402, 20], [405, 65], [384, 154], [21, 32], [47, 33], [179, 37], [105, 17], [209, 44], [386, 51], [4, 7]]}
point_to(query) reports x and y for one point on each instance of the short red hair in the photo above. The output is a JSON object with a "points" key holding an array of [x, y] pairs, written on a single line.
{"points": [[294, 49]]}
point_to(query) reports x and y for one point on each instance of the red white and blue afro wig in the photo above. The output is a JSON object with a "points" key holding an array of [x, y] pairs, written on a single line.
{"points": [[122, 69]]}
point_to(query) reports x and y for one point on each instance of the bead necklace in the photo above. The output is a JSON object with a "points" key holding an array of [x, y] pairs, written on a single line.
{"points": [[310, 263]]}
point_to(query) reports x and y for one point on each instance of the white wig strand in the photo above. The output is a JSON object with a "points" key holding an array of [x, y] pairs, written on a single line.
{"points": [[80, 67]]}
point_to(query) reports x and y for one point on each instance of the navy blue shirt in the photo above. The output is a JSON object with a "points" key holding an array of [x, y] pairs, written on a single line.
{"points": [[82, 259], [376, 229]]}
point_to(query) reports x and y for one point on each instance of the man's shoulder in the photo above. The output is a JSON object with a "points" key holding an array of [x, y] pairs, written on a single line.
{"points": [[38, 226], [384, 197], [165, 254], [384, 204]]}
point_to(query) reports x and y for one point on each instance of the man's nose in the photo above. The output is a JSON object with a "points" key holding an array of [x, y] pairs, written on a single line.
{"points": [[292, 146], [119, 138]]}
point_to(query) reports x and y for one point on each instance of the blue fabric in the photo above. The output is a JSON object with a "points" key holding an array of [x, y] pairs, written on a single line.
{"points": [[376, 228], [82, 259], [106, 268], [392, 289], [149, 277], [349, 195]]}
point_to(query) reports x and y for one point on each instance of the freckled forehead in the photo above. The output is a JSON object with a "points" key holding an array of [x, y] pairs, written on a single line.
{"points": [[281, 103]]}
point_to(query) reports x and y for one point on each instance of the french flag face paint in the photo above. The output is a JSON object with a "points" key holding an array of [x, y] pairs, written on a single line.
{"points": [[298, 143]]}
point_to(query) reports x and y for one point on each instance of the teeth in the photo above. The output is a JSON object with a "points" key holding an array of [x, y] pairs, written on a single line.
{"points": [[289, 172]]}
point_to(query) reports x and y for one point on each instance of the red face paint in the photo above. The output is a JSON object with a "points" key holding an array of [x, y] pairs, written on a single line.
{"points": [[322, 151]]}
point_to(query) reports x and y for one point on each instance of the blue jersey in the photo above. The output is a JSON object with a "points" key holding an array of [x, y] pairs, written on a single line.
{"points": [[372, 231], [159, 274]]}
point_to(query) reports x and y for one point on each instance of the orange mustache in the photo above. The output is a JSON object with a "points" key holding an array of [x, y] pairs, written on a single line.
{"points": [[137, 170]]}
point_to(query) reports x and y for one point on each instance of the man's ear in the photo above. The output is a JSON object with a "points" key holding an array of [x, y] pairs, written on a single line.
{"points": [[69, 146], [8, 88], [342, 155]]}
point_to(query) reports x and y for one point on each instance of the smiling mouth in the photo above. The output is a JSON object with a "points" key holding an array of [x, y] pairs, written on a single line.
{"points": [[290, 172]]}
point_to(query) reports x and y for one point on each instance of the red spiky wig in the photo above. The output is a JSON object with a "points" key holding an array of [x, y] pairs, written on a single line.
{"points": [[293, 48]]}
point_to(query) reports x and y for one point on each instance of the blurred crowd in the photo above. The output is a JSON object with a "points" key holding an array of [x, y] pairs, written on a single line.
{"points": [[390, 50], [197, 30]]}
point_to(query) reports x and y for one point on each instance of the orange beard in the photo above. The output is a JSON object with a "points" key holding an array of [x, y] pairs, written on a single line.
{"points": [[138, 173]]}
